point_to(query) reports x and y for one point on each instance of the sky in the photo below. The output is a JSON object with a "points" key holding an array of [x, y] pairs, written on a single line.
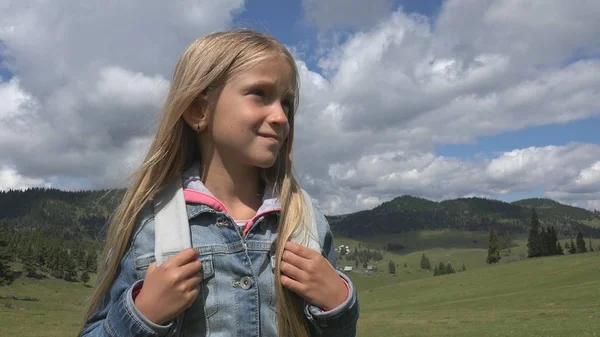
{"points": [[435, 99]]}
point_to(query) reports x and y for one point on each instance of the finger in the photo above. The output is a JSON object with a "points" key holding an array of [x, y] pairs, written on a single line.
{"points": [[151, 268], [292, 285], [193, 282], [300, 250], [295, 260], [191, 269], [183, 257], [293, 272]]}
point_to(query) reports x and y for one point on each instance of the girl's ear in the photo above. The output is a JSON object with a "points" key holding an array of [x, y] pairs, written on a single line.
{"points": [[196, 116]]}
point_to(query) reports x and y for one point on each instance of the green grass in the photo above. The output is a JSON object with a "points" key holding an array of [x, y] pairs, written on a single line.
{"points": [[592, 223], [555, 296]]}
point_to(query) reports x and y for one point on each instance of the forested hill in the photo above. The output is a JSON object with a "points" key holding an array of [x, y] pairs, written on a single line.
{"points": [[407, 213], [75, 215], [68, 215]]}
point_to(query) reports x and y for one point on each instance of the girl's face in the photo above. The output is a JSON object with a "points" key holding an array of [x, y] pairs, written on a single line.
{"points": [[249, 122]]}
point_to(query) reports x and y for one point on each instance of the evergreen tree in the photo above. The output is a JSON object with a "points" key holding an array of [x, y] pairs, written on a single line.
{"points": [[552, 241], [450, 269], [534, 243], [590, 245], [91, 262], [85, 277], [493, 255], [69, 267], [580, 242], [405, 265], [463, 268], [567, 246], [544, 238], [392, 267], [559, 249], [425, 264], [436, 270], [365, 265], [572, 248], [6, 276]]}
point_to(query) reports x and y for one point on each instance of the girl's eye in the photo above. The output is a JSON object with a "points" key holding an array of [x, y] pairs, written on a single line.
{"points": [[287, 106], [257, 92]]}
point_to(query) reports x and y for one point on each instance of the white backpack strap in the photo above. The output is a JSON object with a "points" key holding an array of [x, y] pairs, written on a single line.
{"points": [[171, 226], [312, 239]]}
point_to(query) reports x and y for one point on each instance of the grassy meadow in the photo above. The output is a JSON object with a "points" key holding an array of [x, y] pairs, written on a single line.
{"points": [[553, 296]]}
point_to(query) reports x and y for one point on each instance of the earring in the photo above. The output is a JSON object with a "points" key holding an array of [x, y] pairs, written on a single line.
{"points": [[197, 127]]}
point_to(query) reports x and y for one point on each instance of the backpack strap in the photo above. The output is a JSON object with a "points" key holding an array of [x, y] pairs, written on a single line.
{"points": [[171, 226], [312, 240]]}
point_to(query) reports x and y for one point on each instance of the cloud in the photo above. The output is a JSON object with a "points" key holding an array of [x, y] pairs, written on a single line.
{"points": [[10, 179], [390, 87], [393, 91], [89, 79]]}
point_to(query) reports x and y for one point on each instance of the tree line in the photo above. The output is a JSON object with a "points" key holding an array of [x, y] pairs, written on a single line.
{"points": [[541, 241], [41, 256]]}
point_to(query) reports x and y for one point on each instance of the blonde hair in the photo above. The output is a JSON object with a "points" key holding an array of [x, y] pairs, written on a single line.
{"points": [[205, 65]]}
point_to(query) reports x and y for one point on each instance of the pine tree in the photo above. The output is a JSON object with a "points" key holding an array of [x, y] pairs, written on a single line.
{"points": [[463, 268], [552, 241], [544, 242], [392, 267], [567, 246], [590, 245], [534, 244], [69, 267], [580, 242], [559, 249], [493, 247], [6, 276], [425, 264], [572, 248], [91, 262], [450, 269], [85, 277], [365, 265], [405, 265]]}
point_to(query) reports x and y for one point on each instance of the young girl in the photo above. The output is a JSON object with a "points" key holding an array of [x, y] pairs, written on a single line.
{"points": [[226, 134]]}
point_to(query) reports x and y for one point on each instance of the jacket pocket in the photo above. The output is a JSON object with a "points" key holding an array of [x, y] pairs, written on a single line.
{"points": [[208, 286]]}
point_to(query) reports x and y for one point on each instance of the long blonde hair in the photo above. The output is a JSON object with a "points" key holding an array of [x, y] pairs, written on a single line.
{"points": [[207, 64]]}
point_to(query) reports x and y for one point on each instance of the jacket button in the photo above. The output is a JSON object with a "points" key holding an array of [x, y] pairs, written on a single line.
{"points": [[246, 283]]}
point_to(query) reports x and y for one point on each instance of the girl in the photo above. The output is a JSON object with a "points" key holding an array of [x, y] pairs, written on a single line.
{"points": [[226, 134]]}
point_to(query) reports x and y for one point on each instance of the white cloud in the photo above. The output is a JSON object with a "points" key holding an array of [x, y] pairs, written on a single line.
{"points": [[89, 80], [10, 179]]}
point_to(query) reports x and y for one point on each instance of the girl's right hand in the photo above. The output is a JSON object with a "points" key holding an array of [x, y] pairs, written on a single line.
{"points": [[171, 288]]}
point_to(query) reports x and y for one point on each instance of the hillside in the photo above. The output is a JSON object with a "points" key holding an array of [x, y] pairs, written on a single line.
{"points": [[404, 214], [556, 296], [84, 214], [58, 213]]}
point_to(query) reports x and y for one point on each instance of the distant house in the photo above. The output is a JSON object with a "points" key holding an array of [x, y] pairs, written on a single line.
{"points": [[348, 268], [370, 269]]}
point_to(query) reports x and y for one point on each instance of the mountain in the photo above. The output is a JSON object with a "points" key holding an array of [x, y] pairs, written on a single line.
{"points": [[408, 213], [83, 214], [63, 214]]}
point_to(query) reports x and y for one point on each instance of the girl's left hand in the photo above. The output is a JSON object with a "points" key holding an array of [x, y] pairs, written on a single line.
{"points": [[310, 275]]}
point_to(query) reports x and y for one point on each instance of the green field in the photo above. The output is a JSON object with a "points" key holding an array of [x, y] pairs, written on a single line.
{"points": [[554, 296]]}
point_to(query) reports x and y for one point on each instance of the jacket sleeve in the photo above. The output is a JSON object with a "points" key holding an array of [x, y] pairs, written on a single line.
{"points": [[340, 321], [116, 315]]}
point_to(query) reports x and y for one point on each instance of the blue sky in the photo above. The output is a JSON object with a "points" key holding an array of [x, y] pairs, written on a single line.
{"points": [[379, 102]]}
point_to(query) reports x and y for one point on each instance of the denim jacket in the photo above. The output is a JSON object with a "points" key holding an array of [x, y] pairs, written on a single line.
{"points": [[237, 296]]}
